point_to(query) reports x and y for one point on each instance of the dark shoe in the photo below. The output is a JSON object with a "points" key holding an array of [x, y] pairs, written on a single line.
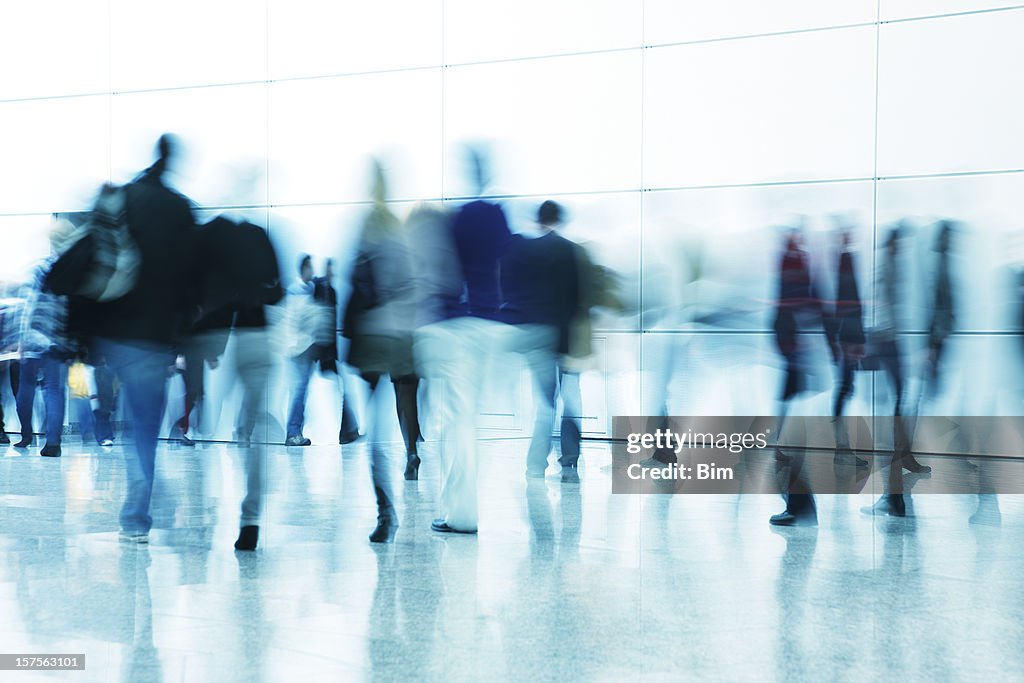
{"points": [[655, 464], [412, 467], [297, 441], [4, 439], [348, 437], [387, 525], [248, 536], [912, 465], [570, 474], [50, 451], [845, 456], [186, 442], [441, 526], [24, 443], [781, 457], [787, 518], [891, 504]]}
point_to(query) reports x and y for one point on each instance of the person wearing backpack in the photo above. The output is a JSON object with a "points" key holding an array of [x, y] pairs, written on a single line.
{"points": [[131, 290]]}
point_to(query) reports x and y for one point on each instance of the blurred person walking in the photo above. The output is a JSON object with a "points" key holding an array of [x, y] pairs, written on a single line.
{"points": [[326, 352], [540, 284], [45, 349], [129, 274], [378, 321], [302, 319], [798, 307], [237, 278], [454, 353]]}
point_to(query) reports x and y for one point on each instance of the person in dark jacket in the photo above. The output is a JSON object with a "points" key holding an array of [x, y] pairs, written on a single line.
{"points": [[540, 285], [456, 346], [797, 307], [847, 337], [237, 276], [136, 332]]}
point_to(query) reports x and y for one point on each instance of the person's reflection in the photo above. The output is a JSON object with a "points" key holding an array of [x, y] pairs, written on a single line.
{"points": [[140, 661], [254, 633], [794, 655]]}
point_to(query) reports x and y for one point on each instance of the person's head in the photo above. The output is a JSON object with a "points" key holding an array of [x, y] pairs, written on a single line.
{"points": [[550, 215], [167, 147], [61, 230], [306, 267], [479, 169], [945, 237], [378, 182], [794, 239]]}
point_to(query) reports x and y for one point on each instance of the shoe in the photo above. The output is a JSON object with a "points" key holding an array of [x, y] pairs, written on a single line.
{"points": [[297, 441], [844, 456], [134, 537], [570, 474], [412, 467], [24, 443], [783, 458], [50, 451], [186, 442], [248, 536], [891, 504], [387, 525], [787, 518], [4, 439], [655, 464], [441, 526], [912, 465], [348, 437], [107, 443]]}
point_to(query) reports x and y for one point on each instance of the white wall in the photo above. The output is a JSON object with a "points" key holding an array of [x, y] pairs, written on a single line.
{"points": [[667, 128]]}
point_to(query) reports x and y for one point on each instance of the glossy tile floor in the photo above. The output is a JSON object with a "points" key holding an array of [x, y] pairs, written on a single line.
{"points": [[564, 582]]}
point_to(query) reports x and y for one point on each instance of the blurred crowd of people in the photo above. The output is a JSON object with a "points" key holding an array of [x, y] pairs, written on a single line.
{"points": [[137, 290]]}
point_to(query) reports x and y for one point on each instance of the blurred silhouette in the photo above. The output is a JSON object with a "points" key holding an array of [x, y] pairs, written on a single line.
{"points": [[10, 369], [540, 285], [797, 308], [104, 401], [45, 349], [301, 324], [942, 311], [378, 321], [454, 352], [847, 341], [237, 276], [129, 280], [326, 352]]}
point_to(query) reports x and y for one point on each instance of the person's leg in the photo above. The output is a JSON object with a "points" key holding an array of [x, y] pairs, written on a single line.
{"points": [[572, 418], [302, 370], [142, 371], [380, 470], [542, 362], [452, 358], [104, 403], [55, 382], [252, 363], [29, 370], [408, 419], [4, 439]]}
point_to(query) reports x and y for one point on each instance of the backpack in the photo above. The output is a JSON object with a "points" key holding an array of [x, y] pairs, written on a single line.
{"points": [[103, 262]]}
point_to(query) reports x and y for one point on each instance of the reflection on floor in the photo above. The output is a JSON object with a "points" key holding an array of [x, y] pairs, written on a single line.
{"points": [[565, 581]]}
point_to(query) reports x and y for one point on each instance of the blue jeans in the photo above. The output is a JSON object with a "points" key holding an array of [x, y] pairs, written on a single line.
{"points": [[54, 375], [302, 370], [142, 369], [105, 403]]}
